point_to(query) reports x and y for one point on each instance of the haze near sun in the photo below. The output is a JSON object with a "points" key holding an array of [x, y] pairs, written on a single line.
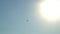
{"points": [[49, 10]]}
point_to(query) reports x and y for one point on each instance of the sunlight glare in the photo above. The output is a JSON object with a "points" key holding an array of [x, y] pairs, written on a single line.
{"points": [[49, 10]]}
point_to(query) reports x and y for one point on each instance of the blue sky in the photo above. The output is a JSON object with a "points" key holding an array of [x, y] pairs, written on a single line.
{"points": [[13, 16]]}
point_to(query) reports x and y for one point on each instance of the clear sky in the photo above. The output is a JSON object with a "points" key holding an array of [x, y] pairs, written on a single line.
{"points": [[13, 16], [19, 17]]}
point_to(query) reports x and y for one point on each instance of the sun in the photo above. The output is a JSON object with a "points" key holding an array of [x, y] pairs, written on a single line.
{"points": [[49, 10]]}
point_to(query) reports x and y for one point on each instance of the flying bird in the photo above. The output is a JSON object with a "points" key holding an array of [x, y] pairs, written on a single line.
{"points": [[27, 20]]}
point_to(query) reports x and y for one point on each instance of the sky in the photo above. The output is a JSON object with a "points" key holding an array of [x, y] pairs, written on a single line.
{"points": [[14, 15]]}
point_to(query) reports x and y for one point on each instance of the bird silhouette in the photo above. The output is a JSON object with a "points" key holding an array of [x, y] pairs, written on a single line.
{"points": [[27, 20]]}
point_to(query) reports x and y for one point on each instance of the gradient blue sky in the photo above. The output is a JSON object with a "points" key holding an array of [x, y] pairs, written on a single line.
{"points": [[13, 16]]}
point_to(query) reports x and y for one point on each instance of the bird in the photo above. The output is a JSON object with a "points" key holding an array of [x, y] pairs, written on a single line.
{"points": [[27, 20]]}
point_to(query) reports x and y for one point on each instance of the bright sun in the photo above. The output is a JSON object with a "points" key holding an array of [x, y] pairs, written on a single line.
{"points": [[49, 10]]}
